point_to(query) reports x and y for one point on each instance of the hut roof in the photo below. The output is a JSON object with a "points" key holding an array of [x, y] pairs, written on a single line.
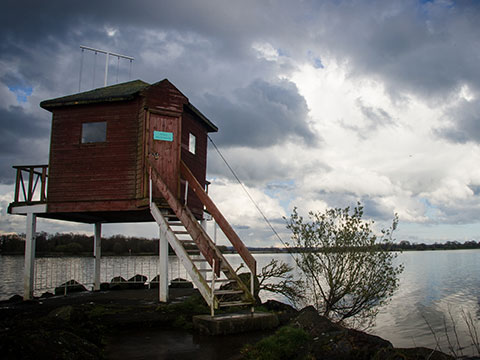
{"points": [[119, 92]]}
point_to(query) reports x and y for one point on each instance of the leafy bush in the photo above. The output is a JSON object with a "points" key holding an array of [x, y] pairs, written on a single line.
{"points": [[287, 343]]}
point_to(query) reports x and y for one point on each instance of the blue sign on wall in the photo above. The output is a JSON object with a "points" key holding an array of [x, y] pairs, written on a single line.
{"points": [[163, 136]]}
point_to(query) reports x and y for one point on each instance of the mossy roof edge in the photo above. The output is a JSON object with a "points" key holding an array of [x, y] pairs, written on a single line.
{"points": [[118, 92]]}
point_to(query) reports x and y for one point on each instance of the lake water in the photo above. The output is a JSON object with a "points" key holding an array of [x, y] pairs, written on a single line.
{"points": [[435, 287]]}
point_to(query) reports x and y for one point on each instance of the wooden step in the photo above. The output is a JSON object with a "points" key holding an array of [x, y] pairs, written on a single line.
{"points": [[234, 303], [175, 223], [221, 280], [180, 232], [199, 260], [227, 292], [187, 241]]}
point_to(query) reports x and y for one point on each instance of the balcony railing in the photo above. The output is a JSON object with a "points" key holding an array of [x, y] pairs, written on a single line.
{"points": [[31, 184]]}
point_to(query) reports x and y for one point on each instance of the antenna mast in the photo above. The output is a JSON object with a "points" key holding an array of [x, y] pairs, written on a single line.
{"points": [[108, 53]]}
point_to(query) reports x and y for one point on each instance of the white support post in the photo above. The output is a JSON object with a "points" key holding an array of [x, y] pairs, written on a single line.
{"points": [[97, 253], [29, 272], [106, 69], [163, 268], [212, 304]]}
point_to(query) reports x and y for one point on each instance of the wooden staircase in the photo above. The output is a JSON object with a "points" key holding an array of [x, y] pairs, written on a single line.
{"points": [[203, 261]]}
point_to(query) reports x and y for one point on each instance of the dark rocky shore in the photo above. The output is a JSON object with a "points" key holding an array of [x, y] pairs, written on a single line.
{"points": [[132, 324]]}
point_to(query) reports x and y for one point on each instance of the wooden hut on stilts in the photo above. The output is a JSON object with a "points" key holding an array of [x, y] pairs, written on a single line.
{"points": [[131, 152]]}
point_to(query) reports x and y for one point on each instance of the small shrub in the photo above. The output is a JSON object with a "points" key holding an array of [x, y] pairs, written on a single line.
{"points": [[287, 343]]}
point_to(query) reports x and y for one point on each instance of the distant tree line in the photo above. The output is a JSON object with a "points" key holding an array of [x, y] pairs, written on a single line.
{"points": [[80, 244], [449, 245], [401, 246]]}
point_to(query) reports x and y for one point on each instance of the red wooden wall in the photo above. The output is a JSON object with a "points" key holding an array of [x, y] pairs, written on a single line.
{"points": [[96, 171], [197, 162]]}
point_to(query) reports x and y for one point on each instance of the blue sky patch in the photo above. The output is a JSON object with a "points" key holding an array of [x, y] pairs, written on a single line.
{"points": [[22, 92]]}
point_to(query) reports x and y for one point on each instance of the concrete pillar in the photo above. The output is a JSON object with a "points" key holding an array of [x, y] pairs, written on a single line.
{"points": [[29, 270], [97, 253], [163, 267]]}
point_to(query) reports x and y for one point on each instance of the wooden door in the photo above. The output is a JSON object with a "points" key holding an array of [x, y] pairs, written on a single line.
{"points": [[164, 150]]}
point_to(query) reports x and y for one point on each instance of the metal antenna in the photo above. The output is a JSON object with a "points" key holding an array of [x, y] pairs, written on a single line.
{"points": [[108, 53], [81, 69], [118, 63], [94, 67]]}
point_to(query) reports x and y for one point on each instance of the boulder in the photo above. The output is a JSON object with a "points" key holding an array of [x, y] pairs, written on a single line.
{"points": [[15, 299], [333, 341], [46, 295], [418, 353], [137, 282], [104, 286], [180, 283], [118, 283], [69, 287], [284, 312], [154, 282]]}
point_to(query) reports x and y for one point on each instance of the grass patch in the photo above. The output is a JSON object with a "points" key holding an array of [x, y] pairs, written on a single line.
{"points": [[287, 343]]}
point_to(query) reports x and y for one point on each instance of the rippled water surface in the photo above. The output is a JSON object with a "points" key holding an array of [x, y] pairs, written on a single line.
{"points": [[435, 287]]}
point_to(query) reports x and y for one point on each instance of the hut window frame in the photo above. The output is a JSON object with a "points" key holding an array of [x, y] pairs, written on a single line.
{"points": [[94, 132], [192, 143]]}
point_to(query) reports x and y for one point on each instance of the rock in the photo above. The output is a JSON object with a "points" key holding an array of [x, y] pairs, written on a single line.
{"points": [[137, 282], [70, 286], [180, 283], [15, 299], [311, 321], [118, 283], [284, 312], [364, 345], [333, 341], [418, 353], [154, 282], [104, 286]]}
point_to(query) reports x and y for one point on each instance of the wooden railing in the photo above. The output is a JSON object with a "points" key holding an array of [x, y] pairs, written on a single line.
{"points": [[204, 244], [219, 219], [31, 184]]}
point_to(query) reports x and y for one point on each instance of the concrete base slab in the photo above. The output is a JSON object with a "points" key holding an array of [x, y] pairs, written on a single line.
{"points": [[224, 324]]}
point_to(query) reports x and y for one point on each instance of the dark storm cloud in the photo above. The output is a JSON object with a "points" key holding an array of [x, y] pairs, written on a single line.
{"points": [[465, 127], [427, 49], [263, 114], [21, 144]]}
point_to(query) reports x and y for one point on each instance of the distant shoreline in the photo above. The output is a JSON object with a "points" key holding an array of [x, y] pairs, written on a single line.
{"points": [[227, 252]]}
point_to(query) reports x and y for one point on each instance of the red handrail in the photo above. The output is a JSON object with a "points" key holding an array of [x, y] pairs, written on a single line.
{"points": [[219, 218]]}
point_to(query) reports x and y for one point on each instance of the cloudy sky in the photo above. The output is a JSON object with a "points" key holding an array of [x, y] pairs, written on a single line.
{"points": [[318, 103]]}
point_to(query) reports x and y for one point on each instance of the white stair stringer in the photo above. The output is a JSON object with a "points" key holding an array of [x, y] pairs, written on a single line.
{"points": [[184, 257]]}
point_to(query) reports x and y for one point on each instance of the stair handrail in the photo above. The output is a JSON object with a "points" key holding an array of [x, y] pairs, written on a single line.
{"points": [[220, 219], [205, 245]]}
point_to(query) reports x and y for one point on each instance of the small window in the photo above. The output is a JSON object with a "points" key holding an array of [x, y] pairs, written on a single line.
{"points": [[94, 132], [192, 143]]}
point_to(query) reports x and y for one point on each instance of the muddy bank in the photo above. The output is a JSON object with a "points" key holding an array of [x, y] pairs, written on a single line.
{"points": [[131, 324]]}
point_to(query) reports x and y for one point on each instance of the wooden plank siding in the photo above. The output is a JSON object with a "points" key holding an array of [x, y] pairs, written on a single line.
{"points": [[94, 171], [197, 163]]}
